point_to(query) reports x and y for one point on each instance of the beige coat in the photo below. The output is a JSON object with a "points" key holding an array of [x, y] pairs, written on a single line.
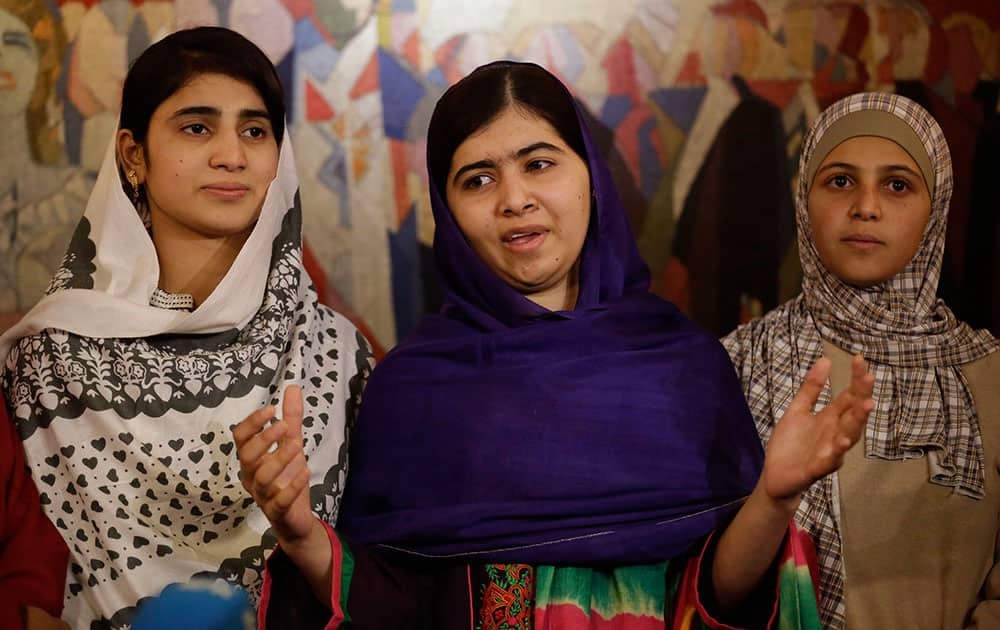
{"points": [[918, 555]]}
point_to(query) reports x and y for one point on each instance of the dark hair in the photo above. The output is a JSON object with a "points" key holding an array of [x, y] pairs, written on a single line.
{"points": [[479, 98], [171, 63]]}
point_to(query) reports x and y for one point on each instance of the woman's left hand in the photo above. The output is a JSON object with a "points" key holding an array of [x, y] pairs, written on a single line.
{"points": [[807, 446]]}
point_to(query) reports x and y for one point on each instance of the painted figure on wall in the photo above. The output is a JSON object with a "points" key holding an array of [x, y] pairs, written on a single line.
{"points": [[40, 199], [656, 78]]}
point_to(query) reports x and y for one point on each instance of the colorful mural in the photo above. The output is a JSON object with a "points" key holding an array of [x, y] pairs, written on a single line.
{"points": [[700, 107]]}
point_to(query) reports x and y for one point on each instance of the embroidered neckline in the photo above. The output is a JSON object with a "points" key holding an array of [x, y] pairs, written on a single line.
{"points": [[171, 301]]}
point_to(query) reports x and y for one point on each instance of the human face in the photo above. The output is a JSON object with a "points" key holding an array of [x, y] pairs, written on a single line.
{"points": [[18, 64], [521, 197], [868, 207], [210, 155]]}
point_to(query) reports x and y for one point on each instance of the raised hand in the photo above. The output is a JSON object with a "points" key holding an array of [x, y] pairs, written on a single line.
{"points": [[278, 480], [804, 446]]}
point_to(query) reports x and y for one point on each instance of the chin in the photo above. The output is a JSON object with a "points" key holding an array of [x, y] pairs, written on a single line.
{"points": [[531, 284], [228, 231], [863, 281], [858, 273]]}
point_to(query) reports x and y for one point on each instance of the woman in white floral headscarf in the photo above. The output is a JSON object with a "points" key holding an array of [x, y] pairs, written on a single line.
{"points": [[906, 531], [174, 313]]}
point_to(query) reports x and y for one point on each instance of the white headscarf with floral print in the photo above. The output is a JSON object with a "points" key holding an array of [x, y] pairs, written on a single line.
{"points": [[126, 409]]}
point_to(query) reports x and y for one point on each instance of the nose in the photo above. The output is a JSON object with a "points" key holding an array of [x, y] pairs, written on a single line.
{"points": [[228, 152], [516, 197], [868, 203]]}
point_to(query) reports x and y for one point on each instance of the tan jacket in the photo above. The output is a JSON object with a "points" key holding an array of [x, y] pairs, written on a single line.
{"points": [[916, 554]]}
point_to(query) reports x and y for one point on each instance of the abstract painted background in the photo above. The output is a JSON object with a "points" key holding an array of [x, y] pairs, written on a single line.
{"points": [[700, 107]]}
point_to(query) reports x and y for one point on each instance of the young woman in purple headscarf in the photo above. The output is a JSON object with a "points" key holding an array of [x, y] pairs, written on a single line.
{"points": [[557, 448]]}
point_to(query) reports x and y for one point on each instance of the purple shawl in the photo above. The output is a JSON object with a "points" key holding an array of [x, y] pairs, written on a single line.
{"points": [[615, 433]]}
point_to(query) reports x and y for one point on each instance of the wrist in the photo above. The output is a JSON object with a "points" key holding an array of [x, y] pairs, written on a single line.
{"points": [[784, 507], [312, 554], [306, 544]]}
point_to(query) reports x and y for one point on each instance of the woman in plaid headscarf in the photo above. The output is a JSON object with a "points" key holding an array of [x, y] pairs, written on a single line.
{"points": [[906, 531]]}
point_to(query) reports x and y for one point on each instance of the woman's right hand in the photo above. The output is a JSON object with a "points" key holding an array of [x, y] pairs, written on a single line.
{"points": [[806, 446], [277, 480]]}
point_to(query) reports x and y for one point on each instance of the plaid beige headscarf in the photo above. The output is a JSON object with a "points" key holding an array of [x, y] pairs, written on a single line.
{"points": [[912, 341]]}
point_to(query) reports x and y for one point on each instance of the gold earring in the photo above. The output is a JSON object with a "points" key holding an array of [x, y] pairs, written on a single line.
{"points": [[134, 182]]}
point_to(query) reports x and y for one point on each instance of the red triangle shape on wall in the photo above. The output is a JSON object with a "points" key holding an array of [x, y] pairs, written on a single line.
{"points": [[317, 109]]}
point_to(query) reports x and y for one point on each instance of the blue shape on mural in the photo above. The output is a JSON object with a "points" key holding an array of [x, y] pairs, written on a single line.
{"points": [[138, 40], [223, 8], [118, 13], [436, 76], [307, 35], [839, 69], [820, 55], [401, 6], [313, 53], [286, 72], [401, 93], [572, 70], [72, 118], [319, 61], [333, 175], [407, 291], [615, 110], [680, 104], [649, 161], [73, 125]]}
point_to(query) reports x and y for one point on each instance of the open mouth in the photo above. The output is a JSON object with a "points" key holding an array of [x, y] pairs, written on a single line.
{"points": [[525, 239], [520, 237]]}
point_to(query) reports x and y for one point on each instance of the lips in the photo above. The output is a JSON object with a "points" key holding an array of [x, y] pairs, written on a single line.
{"points": [[7, 81], [522, 233], [226, 190], [525, 238], [863, 238], [862, 242]]}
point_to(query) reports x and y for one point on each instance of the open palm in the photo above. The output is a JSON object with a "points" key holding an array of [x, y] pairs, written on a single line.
{"points": [[807, 446]]}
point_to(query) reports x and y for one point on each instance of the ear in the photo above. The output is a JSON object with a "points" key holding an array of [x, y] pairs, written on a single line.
{"points": [[131, 155]]}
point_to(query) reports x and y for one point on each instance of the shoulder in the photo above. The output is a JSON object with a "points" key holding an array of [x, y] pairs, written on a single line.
{"points": [[983, 379], [985, 372], [344, 331], [754, 337], [31, 345], [336, 323]]}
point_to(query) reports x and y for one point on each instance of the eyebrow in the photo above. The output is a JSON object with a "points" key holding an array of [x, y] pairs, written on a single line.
{"points": [[206, 110], [889, 168], [520, 153]]}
